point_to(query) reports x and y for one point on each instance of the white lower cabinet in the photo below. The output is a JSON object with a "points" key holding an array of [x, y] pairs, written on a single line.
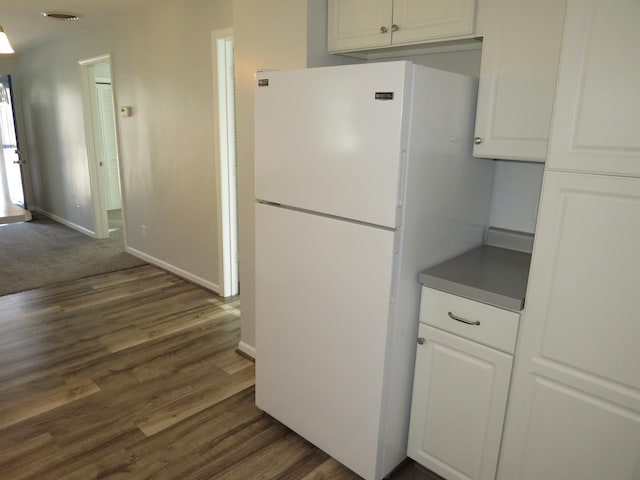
{"points": [[459, 399]]}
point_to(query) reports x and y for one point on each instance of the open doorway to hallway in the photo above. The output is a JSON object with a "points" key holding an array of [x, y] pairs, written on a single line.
{"points": [[102, 146], [226, 164], [13, 205]]}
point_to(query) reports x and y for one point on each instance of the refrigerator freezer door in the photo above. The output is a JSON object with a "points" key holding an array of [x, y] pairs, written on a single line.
{"points": [[322, 296], [330, 140]]}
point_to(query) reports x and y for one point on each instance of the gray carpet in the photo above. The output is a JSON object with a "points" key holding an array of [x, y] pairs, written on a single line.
{"points": [[43, 252]]}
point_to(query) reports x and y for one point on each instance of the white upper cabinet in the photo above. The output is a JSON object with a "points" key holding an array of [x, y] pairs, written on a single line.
{"points": [[596, 124], [357, 24], [427, 20], [366, 24], [518, 75]]}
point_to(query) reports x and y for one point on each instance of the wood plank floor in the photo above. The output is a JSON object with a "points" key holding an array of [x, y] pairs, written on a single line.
{"points": [[134, 375]]}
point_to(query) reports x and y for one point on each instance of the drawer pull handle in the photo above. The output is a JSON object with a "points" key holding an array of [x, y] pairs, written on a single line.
{"points": [[463, 320]]}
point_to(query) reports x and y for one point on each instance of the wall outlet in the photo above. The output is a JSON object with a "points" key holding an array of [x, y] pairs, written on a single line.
{"points": [[144, 230]]}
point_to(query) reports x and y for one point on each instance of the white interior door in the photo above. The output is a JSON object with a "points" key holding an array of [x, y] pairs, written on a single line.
{"points": [[107, 128], [331, 139], [99, 116]]}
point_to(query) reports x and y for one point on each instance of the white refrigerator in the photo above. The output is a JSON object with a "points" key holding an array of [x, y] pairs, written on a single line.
{"points": [[364, 177]]}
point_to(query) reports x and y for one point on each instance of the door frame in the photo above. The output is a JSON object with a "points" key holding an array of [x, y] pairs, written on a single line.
{"points": [[25, 171], [225, 160], [91, 126]]}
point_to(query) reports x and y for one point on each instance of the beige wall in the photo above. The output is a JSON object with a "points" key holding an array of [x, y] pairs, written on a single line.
{"points": [[162, 67]]}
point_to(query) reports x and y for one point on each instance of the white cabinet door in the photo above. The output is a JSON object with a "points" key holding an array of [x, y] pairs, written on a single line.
{"points": [[574, 407], [367, 24], [428, 20], [518, 71], [459, 397], [357, 24], [596, 124], [107, 122]]}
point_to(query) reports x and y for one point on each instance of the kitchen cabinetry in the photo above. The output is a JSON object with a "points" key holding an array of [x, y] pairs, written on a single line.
{"points": [[460, 385], [574, 405], [520, 52], [598, 95], [365, 24]]}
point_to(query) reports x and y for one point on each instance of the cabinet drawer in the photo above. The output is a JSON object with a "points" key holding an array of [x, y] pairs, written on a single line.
{"points": [[497, 328]]}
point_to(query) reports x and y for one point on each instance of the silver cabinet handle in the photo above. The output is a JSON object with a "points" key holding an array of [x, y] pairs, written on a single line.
{"points": [[383, 29], [463, 320], [420, 341], [477, 140]]}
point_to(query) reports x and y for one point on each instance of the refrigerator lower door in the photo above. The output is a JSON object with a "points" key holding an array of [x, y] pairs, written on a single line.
{"points": [[322, 307]]}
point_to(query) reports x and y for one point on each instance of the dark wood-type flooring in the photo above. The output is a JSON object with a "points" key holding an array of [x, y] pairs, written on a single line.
{"points": [[134, 375]]}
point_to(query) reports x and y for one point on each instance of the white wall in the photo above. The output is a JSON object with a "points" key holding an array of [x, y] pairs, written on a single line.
{"points": [[273, 34], [465, 62], [162, 67], [515, 195]]}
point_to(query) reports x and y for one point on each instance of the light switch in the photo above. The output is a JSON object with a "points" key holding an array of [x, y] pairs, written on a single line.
{"points": [[125, 111]]}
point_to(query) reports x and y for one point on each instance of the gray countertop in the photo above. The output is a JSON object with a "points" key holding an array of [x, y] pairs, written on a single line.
{"points": [[493, 275]]}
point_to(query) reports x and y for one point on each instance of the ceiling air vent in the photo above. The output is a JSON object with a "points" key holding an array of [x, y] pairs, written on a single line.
{"points": [[61, 15]]}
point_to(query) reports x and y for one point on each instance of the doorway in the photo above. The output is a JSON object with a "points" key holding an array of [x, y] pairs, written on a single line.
{"points": [[226, 165], [13, 205], [102, 146]]}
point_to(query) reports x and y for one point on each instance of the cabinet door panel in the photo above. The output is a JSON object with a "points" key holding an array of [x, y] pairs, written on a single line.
{"points": [[580, 331], [459, 397], [518, 71], [590, 291], [596, 124], [423, 20], [356, 24], [597, 439], [582, 300]]}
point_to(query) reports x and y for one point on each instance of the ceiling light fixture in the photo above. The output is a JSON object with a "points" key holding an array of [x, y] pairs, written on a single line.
{"points": [[60, 15], [5, 46]]}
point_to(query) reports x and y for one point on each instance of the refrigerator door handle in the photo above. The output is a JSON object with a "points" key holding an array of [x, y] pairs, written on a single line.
{"points": [[402, 179]]}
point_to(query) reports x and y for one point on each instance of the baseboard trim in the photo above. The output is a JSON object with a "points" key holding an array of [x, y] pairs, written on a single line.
{"points": [[65, 222], [247, 350], [175, 270]]}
